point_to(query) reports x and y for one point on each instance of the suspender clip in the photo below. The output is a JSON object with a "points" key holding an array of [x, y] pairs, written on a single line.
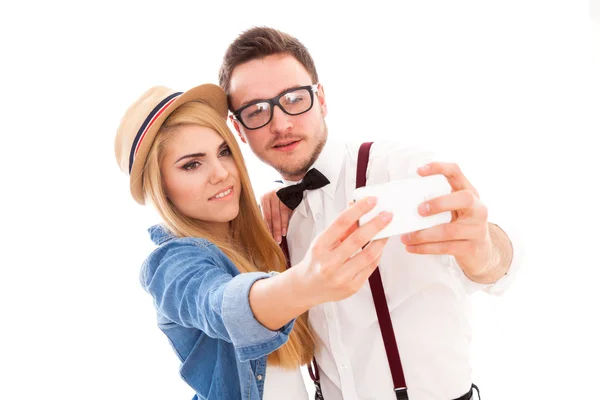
{"points": [[401, 393]]}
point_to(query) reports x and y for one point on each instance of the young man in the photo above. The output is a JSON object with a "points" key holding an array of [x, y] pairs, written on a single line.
{"points": [[279, 110]]}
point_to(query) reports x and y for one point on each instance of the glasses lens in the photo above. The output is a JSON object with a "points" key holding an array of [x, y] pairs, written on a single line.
{"points": [[296, 102], [256, 115]]}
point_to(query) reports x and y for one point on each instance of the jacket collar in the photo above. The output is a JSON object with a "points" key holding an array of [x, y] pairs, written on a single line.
{"points": [[160, 234]]}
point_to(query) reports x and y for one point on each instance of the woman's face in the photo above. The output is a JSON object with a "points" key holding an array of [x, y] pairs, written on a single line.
{"points": [[200, 176]]}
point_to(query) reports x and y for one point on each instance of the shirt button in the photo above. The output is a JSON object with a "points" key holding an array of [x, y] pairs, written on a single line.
{"points": [[259, 377], [344, 366], [329, 315], [318, 216]]}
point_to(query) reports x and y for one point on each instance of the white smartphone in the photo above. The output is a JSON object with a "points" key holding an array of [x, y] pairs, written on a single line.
{"points": [[403, 198]]}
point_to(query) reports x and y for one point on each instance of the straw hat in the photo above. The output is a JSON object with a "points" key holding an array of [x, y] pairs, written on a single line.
{"points": [[143, 120]]}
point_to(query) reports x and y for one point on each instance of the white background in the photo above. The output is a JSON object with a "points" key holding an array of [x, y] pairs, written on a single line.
{"points": [[509, 89]]}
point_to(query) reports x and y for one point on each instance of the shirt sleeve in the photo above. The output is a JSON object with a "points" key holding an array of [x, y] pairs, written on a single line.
{"points": [[191, 289], [402, 163]]}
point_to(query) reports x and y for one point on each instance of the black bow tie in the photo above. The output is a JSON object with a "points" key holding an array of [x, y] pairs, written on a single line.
{"points": [[291, 196]]}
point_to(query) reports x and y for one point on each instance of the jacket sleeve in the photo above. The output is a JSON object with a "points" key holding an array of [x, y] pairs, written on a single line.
{"points": [[192, 288]]}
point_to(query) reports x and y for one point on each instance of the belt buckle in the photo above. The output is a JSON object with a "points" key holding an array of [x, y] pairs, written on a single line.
{"points": [[401, 393]]}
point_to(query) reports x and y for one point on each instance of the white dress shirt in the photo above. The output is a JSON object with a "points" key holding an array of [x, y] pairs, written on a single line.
{"points": [[282, 383], [428, 295]]}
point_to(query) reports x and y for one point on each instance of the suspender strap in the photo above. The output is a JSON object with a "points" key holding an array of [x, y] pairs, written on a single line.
{"points": [[381, 307]]}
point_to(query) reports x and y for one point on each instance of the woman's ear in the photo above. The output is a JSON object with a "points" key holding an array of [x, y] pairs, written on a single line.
{"points": [[164, 189]]}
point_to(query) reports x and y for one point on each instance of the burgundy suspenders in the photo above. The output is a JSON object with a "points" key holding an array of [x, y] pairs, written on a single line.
{"points": [[381, 307]]}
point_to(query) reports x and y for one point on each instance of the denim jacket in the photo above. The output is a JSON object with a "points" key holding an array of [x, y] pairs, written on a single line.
{"points": [[202, 305]]}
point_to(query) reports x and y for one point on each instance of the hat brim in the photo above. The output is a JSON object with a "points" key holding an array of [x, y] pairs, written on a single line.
{"points": [[208, 93]]}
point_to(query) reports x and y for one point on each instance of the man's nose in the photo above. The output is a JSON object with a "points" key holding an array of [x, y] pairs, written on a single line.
{"points": [[281, 121]]}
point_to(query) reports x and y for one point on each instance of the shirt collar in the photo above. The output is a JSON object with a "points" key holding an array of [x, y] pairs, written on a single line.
{"points": [[330, 163]]}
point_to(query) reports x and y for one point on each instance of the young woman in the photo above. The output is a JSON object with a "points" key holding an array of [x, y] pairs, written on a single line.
{"points": [[234, 315]]}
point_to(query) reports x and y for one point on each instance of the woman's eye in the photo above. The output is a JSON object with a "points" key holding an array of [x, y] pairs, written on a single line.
{"points": [[191, 166], [225, 152]]}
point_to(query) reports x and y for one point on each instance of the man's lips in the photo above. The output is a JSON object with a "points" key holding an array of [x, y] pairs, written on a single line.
{"points": [[286, 144]]}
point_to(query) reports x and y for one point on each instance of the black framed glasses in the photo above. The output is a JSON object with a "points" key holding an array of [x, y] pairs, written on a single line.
{"points": [[259, 113]]}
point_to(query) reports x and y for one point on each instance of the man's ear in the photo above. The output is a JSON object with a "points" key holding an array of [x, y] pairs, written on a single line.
{"points": [[236, 126], [321, 97]]}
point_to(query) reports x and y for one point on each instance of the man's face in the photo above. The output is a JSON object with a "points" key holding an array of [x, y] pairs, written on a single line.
{"points": [[289, 143]]}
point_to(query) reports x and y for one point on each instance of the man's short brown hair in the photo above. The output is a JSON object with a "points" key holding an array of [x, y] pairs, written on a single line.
{"points": [[260, 42]]}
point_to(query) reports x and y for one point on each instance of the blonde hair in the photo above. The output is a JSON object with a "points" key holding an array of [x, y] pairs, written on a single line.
{"points": [[249, 246]]}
